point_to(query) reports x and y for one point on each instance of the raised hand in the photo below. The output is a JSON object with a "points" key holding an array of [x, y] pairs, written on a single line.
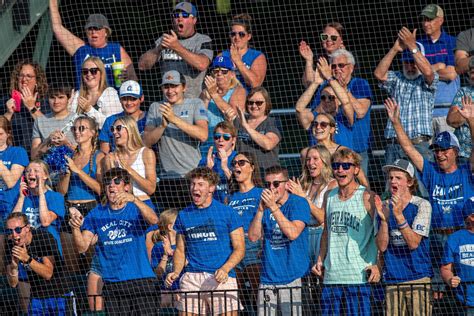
{"points": [[467, 110], [269, 199], [235, 54], [170, 41], [294, 186], [407, 37], [324, 68], [210, 157], [211, 85], [28, 97], [305, 51], [393, 110]]}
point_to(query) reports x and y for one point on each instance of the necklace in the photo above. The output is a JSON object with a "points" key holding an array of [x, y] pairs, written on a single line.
{"points": [[342, 197]]}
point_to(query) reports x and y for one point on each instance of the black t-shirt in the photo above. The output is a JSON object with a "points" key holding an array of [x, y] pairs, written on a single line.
{"points": [[42, 245]]}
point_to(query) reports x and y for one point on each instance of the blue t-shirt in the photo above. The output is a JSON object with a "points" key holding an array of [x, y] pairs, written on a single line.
{"points": [[156, 254], [248, 59], [284, 260], [344, 131], [448, 193], [246, 205], [222, 189], [459, 251], [207, 235], [11, 156], [401, 263], [108, 54], [55, 203], [120, 247], [360, 133], [107, 136]]}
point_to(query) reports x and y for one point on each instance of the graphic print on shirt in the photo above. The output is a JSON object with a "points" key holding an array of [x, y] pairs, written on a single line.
{"points": [[447, 198], [244, 206], [277, 239], [342, 220], [396, 238], [33, 216], [169, 54], [117, 232], [205, 232], [466, 254]]}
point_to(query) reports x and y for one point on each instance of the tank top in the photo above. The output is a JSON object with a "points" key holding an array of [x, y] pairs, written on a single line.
{"points": [[78, 190], [139, 166], [351, 242], [318, 201], [248, 59]]}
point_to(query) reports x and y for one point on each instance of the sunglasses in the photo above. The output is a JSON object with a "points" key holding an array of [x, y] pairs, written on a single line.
{"points": [[116, 181], [81, 128], [17, 230], [322, 124], [117, 128], [340, 66], [181, 14], [241, 162], [94, 28], [275, 184], [234, 34], [218, 70], [226, 136], [324, 37], [93, 71], [257, 103], [344, 165], [328, 97]]}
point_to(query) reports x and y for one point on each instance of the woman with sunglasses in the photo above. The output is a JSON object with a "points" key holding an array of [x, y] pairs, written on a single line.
{"points": [[94, 98], [220, 157], [247, 186], [223, 92], [258, 132], [130, 154], [26, 101], [331, 40], [98, 31], [251, 64], [53, 129]]}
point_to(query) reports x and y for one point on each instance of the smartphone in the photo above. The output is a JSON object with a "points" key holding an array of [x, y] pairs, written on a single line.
{"points": [[25, 192], [16, 96]]}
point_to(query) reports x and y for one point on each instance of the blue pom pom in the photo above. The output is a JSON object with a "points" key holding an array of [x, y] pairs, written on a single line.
{"points": [[56, 160]]}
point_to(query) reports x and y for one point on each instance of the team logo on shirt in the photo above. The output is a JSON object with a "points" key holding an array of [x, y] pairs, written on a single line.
{"points": [[466, 254], [205, 232]]}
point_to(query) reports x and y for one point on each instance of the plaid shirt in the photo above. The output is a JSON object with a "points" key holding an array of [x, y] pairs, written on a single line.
{"points": [[463, 133], [416, 99]]}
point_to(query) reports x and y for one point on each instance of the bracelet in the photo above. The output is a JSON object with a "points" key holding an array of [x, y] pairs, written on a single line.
{"points": [[33, 110], [402, 224]]}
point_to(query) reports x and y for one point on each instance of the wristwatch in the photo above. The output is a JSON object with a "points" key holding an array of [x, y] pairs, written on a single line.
{"points": [[33, 110], [414, 50]]}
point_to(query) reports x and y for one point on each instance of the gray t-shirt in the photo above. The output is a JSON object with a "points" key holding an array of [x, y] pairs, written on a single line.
{"points": [[46, 124], [465, 41], [178, 152], [170, 60]]}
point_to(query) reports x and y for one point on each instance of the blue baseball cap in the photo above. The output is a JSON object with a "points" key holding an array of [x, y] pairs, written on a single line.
{"points": [[468, 208], [131, 88], [186, 7], [407, 55], [222, 62], [445, 140]]}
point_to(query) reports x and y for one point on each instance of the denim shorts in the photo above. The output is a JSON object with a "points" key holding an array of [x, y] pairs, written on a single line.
{"points": [[252, 254], [95, 266]]}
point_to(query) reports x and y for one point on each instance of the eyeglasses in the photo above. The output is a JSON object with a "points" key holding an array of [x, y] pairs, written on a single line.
{"points": [[340, 66], [328, 97], [322, 124], [117, 128], [81, 128], [324, 37], [275, 184], [226, 136], [116, 181], [26, 76], [344, 165], [17, 230], [220, 70], [240, 162], [234, 34], [257, 103], [93, 71], [181, 14]]}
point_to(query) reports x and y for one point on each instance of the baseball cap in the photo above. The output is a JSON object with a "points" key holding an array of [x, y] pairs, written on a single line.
{"points": [[98, 20], [407, 56], [400, 164], [131, 88], [172, 77], [468, 208], [222, 62], [445, 140], [432, 11], [186, 7]]}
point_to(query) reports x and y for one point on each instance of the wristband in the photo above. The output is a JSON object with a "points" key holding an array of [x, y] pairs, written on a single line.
{"points": [[29, 260], [403, 225], [33, 110]]}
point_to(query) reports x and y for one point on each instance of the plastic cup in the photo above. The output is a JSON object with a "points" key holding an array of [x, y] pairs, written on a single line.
{"points": [[117, 69]]}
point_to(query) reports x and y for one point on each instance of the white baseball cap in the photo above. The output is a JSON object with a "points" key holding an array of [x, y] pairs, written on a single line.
{"points": [[131, 88]]}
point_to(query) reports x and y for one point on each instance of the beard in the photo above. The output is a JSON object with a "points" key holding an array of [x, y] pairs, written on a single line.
{"points": [[411, 76]]}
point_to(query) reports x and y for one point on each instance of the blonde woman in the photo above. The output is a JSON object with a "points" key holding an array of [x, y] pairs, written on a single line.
{"points": [[95, 98]]}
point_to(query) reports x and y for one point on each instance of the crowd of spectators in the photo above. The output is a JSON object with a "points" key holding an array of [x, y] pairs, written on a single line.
{"points": [[191, 195]]}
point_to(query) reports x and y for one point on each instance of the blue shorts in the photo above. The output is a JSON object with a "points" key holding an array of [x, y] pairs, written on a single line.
{"points": [[47, 306], [252, 253], [356, 298], [314, 234], [95, 266]]}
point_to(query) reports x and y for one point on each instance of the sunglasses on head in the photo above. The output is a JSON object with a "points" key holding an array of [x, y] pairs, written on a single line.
{"points": [[81, 128], [220, 70], [117, 128], [340, 66], [226, 136], [275, 184], [116, 181], [93, 71], [257, 103], [344, 165], [234, 34], [328, 97], [17, 230], [181, 14], [322, 124], [240, 162], [324, 37]]}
